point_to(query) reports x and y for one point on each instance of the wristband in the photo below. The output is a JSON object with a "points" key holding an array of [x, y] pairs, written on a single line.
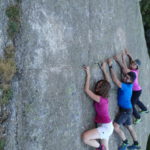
{"points": [[110, 66]]}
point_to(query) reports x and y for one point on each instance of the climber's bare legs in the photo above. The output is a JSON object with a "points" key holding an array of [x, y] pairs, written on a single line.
{"points": [[90, 138], [132, 132], [119, 131], [105, 143]]}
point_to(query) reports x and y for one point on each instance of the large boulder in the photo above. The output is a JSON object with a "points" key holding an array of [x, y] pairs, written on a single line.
{"points": [[49, 108]]}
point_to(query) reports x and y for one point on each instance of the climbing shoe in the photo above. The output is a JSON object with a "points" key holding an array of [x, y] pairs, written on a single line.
{"points": [[123, 146], [136, 121], [101, 148], [144, 111], [132, 147]]}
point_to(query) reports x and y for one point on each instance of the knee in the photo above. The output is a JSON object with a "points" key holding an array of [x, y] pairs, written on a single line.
{"points": [[85, 138], [130, 128], [116, 127]]}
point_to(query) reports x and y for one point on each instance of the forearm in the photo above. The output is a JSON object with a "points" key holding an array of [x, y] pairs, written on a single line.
{"points": [[106, 75], [130, 58], [115, 78], [87, 83], [113, 74], [125, 70], [124, 60], [122, 66]]}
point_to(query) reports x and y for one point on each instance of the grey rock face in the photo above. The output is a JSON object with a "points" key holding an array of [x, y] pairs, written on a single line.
{"points": [[50, 110]]}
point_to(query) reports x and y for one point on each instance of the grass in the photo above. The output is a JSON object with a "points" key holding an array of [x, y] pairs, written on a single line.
{"points": [[7, 95], [145, 11], [148, 143], [13, 13], [8, 64], [2, 144], [7, 70], [9, 52]]}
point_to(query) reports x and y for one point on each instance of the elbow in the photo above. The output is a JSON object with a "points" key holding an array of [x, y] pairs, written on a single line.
{"points": [[86, 90], [114, 80]]}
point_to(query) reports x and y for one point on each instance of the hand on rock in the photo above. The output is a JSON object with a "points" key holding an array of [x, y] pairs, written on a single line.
{"points": [[87, 69], [126, 51], [116, 57], [109, 61], [103, 65]]}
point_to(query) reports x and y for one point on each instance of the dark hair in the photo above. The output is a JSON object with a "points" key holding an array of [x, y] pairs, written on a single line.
{"points": [[137, 62], [102, 88], [132, 76]]}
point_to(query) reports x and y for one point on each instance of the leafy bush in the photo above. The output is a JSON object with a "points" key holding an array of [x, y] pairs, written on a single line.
{"points": [[7, 64], [148, 143], [13, 13], [145, 10], [2, 144], [9, 51], [7, 95], [7, 70]]}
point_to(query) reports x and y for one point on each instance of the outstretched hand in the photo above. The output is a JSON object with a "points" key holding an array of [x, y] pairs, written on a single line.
{"points": [[103, 65], [87, 69], [116, 57], [126, 51], [109, 61]]}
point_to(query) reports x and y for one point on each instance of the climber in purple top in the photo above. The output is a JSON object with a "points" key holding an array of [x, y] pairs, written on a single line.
{"points": [[137, 90], [101, 105]]}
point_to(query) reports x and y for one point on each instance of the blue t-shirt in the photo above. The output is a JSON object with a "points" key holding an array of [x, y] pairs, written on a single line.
{"points": [[124, 95]]}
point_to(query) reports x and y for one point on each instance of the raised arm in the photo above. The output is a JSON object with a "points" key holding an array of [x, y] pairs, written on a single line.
{"points": [[129, 55], [87, 85], [113, 74], [121, 64], [124, 61], [106, 74]]}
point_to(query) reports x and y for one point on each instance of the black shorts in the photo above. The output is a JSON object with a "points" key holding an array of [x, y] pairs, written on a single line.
{"points": [[124, 118]]}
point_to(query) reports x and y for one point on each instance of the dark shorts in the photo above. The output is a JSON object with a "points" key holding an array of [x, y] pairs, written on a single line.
{"points": [[124, 118]]}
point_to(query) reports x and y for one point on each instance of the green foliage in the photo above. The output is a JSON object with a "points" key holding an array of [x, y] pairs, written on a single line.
{"points": [[18, 1], [7, 64], [7, 70], [2, 144], [145, 10], [9, 52], [13, 28], [7, 95], [13, 13], [148, 143]]}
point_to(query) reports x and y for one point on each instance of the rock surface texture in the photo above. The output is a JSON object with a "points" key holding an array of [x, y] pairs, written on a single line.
{"points": [[49, 109]]}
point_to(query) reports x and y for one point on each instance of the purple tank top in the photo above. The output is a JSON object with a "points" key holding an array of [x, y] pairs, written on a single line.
{"points": [[136, 86], [102, 111]]}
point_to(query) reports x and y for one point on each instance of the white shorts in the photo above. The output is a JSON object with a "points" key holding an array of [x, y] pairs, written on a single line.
{"points": [[105, 130]]}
